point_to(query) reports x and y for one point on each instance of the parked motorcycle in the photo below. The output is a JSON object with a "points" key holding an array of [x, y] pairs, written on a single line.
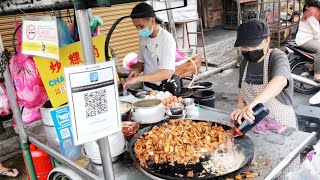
{"points": [[302, 69]]}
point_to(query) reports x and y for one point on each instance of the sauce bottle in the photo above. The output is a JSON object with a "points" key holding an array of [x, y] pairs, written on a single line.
{"points": [[260, 112]]}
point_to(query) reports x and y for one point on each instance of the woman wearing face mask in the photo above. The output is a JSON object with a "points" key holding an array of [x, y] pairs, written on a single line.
{"points": [[156, 57], [265, 77]]}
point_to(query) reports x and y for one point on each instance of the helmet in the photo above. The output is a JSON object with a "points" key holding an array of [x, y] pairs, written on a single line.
{"points": [[313, 3]]}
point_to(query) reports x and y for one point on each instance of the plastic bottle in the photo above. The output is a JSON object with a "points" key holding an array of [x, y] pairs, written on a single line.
{"points": [[260, 112]]}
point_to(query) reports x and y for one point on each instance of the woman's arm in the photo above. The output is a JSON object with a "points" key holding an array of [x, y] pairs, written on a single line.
{"points": [[272, 89], [160, 75]]}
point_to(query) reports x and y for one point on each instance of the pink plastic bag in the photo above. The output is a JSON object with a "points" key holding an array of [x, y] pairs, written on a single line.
{"points": [[26, 78], [28, 116], [30, 90], [179, 55], [5, 108]]}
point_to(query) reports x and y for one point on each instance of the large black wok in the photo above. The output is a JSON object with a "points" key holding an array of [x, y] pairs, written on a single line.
{"points": [[178, 171]]}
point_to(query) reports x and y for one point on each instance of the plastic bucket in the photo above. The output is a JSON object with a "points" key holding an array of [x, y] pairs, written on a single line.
{"points": [[210, 102], [204, 94], [205, 98], [206, 86]]}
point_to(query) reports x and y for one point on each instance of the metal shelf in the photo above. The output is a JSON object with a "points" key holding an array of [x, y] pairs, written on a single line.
{"points": [[32, 8]]}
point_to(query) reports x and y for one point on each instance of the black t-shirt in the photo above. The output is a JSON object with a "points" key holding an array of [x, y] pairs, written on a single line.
{"points": [[278, 66]]}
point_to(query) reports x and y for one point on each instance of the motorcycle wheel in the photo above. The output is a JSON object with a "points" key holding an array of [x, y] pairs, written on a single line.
{"points": [[301, 67]]}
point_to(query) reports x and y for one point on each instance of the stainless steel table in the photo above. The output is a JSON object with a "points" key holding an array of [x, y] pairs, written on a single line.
{"points": [[278, 156]]}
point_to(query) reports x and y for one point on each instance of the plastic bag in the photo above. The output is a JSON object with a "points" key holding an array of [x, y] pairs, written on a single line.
{"points": [[310, 167], [26, 79], [179, 55], [95, 23], [31, 115], [65, 37], [5, 108], [4, 105], [29, 88], [28, 116], [306, 171]]}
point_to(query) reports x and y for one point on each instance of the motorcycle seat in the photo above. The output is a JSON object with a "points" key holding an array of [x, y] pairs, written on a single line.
{"points": [[294, 45]]}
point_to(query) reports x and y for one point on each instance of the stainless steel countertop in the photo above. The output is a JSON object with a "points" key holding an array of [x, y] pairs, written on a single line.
{"points": [[280, 156]]}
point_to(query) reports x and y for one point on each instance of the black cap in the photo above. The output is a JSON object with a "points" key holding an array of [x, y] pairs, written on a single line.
{"points": [[313, 3], [251, 33], [144, 10]]}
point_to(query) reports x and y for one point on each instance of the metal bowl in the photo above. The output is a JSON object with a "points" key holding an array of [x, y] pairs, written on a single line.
{"points": [[176, 108], [187, 52], [142, 94], [179, 116], [125, 114], [188, 101]]}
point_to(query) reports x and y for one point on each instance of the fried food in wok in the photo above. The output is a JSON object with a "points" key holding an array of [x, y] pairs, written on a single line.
{"points": [[180, 141]]}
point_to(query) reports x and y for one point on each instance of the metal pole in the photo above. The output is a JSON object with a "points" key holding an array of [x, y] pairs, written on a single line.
{"points": [[17, 114], [89, 58], [14, 106], [85, 36], [171, 21]]}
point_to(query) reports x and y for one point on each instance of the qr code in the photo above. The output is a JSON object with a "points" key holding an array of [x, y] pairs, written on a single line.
{"points": [[65, 133], [96, 103]]}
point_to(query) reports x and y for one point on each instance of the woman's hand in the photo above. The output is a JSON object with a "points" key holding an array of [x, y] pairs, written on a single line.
{"points": [[247, 113], [237, 114]]}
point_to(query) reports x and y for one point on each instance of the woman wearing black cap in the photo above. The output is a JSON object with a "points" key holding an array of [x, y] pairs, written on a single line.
{"points": [[265, 77], [156, 57]]}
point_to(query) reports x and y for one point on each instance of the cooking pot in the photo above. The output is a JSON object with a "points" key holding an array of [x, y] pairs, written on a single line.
{"points": [[116, 144], [148, 111], [205, 94]]}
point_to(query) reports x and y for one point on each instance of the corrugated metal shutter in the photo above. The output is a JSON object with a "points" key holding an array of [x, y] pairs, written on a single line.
{"points": [[124, 39]]}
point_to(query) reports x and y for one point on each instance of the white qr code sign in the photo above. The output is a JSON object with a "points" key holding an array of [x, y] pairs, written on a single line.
{"points": [[93, 101]]}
